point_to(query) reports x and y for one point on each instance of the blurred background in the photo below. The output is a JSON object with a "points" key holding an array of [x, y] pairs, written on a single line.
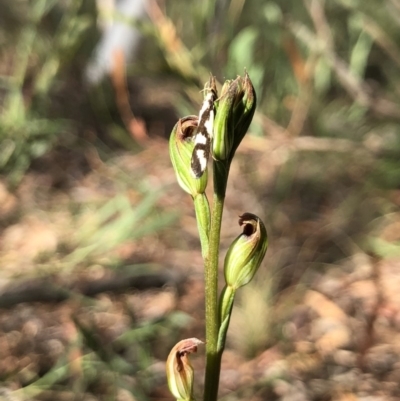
{"points": [[101, 272]]}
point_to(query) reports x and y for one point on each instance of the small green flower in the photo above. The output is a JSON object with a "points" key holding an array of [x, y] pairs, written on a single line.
{"points": [[246, 253], [179, 370], [235, 110], [181, 145]]}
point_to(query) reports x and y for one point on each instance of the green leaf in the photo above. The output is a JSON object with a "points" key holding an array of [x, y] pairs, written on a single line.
{"points": [[383, 248], [360, 53], [322, 76], [241, 51]]}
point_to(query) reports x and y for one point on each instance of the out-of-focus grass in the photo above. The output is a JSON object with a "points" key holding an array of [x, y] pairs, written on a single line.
{"points": [[33, 59], [117, 221]]}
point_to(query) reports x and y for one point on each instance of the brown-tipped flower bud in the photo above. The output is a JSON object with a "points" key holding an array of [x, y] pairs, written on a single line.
{"points": [[234, 112], [244, 111], [247, 251], [181, 145], [179, 370]]}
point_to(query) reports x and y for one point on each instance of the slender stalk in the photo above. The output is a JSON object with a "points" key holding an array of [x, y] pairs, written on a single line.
{"points": [[202, 210], [225, 308], [213, 365]]}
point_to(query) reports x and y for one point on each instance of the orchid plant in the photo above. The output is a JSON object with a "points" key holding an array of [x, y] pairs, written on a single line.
{"points": [[217, 131]]}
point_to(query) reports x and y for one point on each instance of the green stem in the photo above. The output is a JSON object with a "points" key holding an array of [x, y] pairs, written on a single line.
{"points": [[226, 304], [213, 365], [202, 209]]}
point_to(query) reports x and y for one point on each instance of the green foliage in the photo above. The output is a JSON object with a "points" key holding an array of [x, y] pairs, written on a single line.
{"points": [[101, 229], [115, 222], [36, 58], [242, 55], [294, 48]]}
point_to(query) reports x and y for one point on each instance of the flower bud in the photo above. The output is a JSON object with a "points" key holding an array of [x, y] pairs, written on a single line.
{"points": [[224, 120], [246, 253], [244, 111], [181, 145], [179, 370], [235, 110]]}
